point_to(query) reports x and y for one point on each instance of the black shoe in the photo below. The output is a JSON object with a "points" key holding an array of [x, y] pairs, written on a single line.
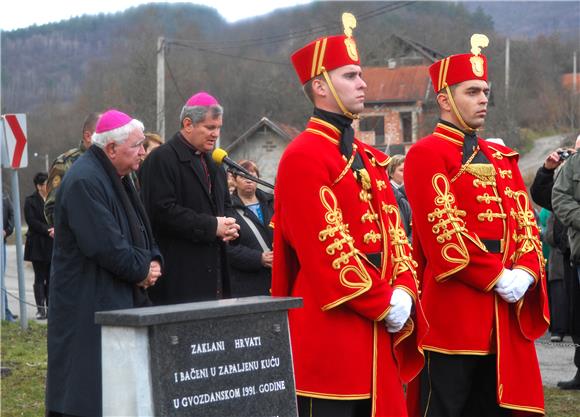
{"points": [[574, 383]]}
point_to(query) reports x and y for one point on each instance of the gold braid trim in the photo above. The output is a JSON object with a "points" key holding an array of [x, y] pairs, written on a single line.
{"points": [[342, 242], [448, 224], [478, 182], [490, 215], [526, 240], [487, 198], [401, 258], [505, 173]]}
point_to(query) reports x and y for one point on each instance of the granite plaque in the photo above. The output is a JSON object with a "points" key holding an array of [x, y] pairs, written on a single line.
{"points": [[228, 367], [225, 358]]}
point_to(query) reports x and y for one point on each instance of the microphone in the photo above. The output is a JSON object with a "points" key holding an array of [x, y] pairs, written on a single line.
{"points": [[220, 156]]}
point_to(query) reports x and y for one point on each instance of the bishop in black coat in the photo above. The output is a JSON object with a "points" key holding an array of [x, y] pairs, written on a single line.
{"points": [[102, 256], [183, 211]]}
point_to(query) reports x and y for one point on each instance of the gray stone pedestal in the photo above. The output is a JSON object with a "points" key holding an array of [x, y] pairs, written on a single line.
{"points": [[226, 358]]}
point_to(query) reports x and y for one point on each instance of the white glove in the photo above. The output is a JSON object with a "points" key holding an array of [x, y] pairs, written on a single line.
{"points": [[401, 303], [514, 286]]}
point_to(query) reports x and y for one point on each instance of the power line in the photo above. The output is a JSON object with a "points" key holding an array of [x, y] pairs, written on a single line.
{"points": [[174, 81], [203, 46], [214, 47], [244, 58], [234, 43]]}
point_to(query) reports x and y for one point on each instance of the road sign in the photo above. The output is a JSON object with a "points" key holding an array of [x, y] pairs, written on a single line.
{"points": [[14, 130]]}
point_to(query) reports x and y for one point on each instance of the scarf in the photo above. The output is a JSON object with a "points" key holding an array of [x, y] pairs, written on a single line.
{"points": [[344, 124], [140, 228], [469, 146]]}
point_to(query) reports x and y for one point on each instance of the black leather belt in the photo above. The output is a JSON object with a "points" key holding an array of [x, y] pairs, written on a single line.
{"points": [[375, 258], [493, 246]]}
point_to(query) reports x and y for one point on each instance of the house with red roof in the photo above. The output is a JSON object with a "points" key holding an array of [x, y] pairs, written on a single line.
{"points": [[395, 104]]}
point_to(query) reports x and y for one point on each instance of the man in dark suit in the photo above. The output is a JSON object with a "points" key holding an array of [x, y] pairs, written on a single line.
{"points": [[38, 248], [186, 195]]}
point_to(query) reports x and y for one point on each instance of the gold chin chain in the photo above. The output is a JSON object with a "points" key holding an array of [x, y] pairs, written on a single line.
{"points": [[338, 100], [456, 111], [464, 166]]}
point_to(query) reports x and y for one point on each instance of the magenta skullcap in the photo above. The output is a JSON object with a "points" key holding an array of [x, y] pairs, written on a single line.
{"points": [[202, 99], [112, 119]]}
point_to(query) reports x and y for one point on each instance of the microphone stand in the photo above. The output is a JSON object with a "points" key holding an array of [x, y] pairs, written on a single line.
{"points": [[250, 177]]}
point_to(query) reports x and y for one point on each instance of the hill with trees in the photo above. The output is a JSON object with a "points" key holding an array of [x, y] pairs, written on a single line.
{"points": [[58, 73]]}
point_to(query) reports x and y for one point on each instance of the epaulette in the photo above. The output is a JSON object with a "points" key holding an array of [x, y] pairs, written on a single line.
{"points": [[500, 150], [66, 155], [376, 156]]}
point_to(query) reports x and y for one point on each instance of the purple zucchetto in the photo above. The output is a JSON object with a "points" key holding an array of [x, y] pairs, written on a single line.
{"points": [[202, 99], [112, 119]]}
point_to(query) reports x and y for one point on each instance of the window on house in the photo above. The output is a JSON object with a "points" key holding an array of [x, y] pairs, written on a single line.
{"points": [[395, 150], [374, 124], [407, 126]]}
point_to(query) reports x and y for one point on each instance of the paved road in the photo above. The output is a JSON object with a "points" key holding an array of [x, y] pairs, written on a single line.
{"points": [[531, 161], [12, 284], [555, 358]]}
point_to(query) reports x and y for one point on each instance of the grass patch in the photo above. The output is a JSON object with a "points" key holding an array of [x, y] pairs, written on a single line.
{"points": [[560, 403], [24, 352]]}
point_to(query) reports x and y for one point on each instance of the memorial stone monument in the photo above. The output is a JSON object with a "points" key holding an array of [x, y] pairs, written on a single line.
{"points": [[225, 358]]}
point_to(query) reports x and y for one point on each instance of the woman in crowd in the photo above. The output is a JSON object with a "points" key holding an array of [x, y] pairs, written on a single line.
{"points": [[38, 248], [152, 141], [395, 170], [250, 255]]}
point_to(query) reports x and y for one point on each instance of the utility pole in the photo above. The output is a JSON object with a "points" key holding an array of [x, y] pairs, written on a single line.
{"points": [[46, 163], [161, 86], [574, 100], [574, 72], [507, 71]]}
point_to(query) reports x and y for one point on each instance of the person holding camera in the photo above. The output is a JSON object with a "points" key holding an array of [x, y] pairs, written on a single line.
{"points": [[559, 270], [566, 204]]}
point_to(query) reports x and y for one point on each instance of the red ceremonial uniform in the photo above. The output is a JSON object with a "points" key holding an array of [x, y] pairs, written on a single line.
{"points": [[327, 227], [458, 209]]}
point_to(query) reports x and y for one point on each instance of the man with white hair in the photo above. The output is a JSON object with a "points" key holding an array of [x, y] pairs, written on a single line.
{"points": [[104, 258]]}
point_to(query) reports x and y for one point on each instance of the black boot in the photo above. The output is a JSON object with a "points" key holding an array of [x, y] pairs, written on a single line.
{"points": [[574, 383], [41, 313], [40, 301]]}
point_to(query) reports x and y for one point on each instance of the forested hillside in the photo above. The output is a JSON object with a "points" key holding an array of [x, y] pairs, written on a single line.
{"points": [[57, 73], [540, 17]]}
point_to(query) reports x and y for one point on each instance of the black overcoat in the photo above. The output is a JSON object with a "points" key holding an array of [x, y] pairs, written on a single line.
{"points": [[248, 275], [183, 217], [38, 247], [94, 268]]}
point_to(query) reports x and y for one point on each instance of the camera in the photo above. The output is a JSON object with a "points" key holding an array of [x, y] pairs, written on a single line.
{"points": [[564, 154]]}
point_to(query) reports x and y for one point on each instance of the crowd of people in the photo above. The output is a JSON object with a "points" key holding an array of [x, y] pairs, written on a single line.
{"points": [[556, 189], [422, 276]]}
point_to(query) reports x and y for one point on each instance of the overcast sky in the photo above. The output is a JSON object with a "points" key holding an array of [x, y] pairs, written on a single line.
{"points": [[20, 14]]}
